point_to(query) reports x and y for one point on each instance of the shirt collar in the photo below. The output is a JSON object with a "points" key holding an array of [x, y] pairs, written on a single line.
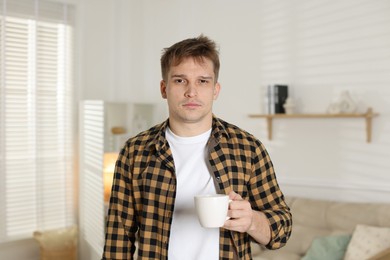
{"points": [[218, 129]]}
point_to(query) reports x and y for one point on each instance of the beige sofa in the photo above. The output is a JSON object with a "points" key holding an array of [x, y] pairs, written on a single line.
{"points": [[316, 218]]}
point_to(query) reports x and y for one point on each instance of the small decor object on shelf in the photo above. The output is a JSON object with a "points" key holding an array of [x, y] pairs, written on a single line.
{"points": [[347, 104], [289, 106], [276, 95], [344, 105], [334, 108], [117, 130]]}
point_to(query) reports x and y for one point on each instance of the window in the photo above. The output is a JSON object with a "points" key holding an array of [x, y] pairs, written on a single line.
{"points": [[36, 117]]}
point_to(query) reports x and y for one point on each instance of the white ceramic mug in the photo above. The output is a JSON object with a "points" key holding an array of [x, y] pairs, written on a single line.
{"points": [[212, 209]]}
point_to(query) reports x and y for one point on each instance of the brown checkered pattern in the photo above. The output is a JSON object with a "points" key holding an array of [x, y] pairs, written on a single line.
{"points": [[144, 190]]}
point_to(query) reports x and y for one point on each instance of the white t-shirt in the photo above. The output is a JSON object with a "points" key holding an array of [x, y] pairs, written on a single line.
{"points": [[188, 239]]}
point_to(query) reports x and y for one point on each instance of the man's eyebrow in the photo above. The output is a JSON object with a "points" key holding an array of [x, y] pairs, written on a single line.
{"points": [[206, 77], [178, 76], [183, 76]]}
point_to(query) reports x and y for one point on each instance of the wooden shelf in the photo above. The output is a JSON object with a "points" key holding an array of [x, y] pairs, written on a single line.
{"points": [[368, 118]]}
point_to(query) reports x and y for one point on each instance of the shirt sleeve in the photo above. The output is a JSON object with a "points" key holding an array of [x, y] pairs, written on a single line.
{"points": [[120, 226], [267, 197]]}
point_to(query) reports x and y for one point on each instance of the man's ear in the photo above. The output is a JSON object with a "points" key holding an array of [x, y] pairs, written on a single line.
{"points": [[217, 88], [163, 89]]}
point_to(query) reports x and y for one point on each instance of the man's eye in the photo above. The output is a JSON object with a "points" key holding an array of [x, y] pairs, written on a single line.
{"points": [[179, 81], [203, 81]]}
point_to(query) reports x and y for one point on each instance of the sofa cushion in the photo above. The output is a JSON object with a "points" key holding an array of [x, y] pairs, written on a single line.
{"points": [[329, 247], [302, 237], [367, 241]]}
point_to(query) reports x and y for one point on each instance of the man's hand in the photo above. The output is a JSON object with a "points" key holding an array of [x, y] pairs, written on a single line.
{"points": [[244, 219], [240, 213]]}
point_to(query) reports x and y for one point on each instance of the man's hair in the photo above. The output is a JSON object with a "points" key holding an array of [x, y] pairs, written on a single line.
{"points": [[197, 48]]}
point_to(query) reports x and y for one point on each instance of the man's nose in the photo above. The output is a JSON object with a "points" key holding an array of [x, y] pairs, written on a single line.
{"points": [[191, 90]]}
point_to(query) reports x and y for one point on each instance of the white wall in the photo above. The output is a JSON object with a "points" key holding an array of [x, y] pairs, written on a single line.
{"points": [[319, 48]]}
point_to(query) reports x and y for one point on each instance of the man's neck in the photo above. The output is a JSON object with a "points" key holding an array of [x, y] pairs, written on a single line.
{"points": [[189, 129]]}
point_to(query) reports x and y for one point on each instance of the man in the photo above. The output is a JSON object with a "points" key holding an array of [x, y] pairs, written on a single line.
{"points": [[159, 171]]}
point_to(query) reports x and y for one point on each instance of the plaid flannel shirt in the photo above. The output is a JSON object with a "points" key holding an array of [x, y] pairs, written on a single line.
{"points": [[144, 189]]}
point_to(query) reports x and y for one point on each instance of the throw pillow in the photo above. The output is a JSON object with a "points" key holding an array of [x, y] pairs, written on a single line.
{"points": [[329, 247], [367, 241]]}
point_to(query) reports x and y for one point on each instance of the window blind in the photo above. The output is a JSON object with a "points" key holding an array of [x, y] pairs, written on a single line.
{"points": [[36, 130]]}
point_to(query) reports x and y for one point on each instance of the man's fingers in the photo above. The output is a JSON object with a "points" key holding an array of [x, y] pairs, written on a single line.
{"points": [[234, 196]]}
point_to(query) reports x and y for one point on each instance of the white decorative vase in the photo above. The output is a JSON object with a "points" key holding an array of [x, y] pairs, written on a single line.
{"points": [[346, 104], [334, 108], [289, 106], [343, 105]]}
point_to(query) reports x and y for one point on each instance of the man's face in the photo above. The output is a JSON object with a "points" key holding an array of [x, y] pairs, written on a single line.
{"points": [[190, 90]]}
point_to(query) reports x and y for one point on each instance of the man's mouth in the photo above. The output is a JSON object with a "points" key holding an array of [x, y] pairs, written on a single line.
{"points": [[191, 105]]}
